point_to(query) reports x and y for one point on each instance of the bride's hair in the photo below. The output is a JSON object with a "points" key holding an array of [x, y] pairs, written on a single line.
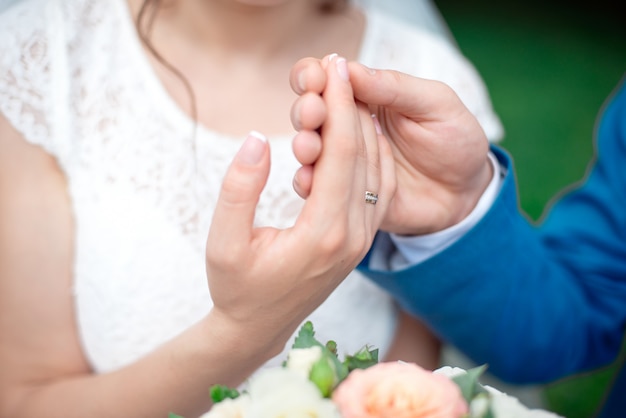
{"points": [[144, 23], [333, 5]]}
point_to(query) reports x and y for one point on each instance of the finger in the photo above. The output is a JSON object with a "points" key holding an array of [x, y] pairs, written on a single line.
{"points": [[370, 140], [335, 173], [388, 181], [303, 180], [234, 213], [414, 97], [307, 147], [327, 60], [307, 75], [372, 184], [308, 112]]}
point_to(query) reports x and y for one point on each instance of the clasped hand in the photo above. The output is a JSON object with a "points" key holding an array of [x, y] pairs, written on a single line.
{"points": [[439, 148], [429, 175], [264, 281]]}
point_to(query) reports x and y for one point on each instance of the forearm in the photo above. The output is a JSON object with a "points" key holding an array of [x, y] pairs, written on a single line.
{"points": [[526, 300], [174, 378], [527, 319]]}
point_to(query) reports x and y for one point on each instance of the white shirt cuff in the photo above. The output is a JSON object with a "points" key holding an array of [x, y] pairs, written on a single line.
{"points": [[415, 249]]}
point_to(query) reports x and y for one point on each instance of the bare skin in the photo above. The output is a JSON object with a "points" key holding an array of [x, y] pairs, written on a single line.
{"points": [[248, 43], [193, 36], [44, 370], [439, 148]]}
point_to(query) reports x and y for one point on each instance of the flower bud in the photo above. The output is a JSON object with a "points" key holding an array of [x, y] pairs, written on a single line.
{"points": [[324, 376]]}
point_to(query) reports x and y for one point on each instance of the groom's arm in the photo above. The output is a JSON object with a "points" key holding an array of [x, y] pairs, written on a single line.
{"points": [[535, 302], [519, 297]]}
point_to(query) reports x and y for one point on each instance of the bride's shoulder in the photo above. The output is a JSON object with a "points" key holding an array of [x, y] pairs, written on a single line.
{"points": [[42, 40], [22, 19], [53, 23], [42, 45]]}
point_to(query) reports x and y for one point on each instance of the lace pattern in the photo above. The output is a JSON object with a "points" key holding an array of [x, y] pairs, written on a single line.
{"points": [[73, 80]]}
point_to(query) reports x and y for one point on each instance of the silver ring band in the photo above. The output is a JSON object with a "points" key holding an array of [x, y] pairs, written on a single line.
{"points": [[371, 197]]}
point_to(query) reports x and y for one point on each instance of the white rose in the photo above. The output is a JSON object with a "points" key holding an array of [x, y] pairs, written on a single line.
{"points": [[301, 360], [230, 408], [504, 405], [450, 371], [281, 392]]}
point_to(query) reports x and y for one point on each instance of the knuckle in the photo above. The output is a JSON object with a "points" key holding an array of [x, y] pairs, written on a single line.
{"points": [[334, 242], [225, 257]]}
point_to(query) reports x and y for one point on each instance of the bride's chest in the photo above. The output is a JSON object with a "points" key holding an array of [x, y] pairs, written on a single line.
{"points": [[171, 177]]}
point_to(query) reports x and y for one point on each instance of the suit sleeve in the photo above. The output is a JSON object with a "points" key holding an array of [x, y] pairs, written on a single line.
{"points": [[534, 301]]}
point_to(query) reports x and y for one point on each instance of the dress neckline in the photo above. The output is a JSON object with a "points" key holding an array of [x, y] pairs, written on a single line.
{"points": [[162, 97]]}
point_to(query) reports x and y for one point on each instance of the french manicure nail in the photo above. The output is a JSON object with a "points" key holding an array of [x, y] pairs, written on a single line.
{"points": [[253, 148], [342, 68]]}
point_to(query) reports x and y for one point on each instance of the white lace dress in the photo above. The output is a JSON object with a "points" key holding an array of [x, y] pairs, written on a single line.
{"points": [[75, 81]]}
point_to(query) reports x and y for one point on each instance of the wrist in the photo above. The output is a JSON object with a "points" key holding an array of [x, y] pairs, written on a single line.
{"points": [[415, 249], [449, 206], [244, 339], [467, 200]]}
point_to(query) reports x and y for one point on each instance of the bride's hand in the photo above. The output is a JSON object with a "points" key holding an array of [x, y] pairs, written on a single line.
{"points": [[264, 282], [440, 150]]}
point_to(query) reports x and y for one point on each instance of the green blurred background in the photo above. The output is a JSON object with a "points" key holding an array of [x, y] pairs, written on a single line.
{"points": [[549, 67]]}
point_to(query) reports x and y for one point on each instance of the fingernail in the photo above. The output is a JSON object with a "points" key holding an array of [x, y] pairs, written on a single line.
{"points": [[296, 116], [332, 57], [252, 149], [295, 184], [377, 126], [342, 68], [301, 80]]}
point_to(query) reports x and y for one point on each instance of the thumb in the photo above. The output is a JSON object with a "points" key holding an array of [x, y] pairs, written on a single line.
{"points": [[240, 192], [414, 97]]}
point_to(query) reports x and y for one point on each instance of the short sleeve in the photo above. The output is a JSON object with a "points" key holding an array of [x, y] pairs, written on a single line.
{"points": [[32, 88]]}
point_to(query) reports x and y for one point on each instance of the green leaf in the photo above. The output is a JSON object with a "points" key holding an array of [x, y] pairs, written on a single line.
{"points": [[480, 406], [489, 414], [469, 384], [363, 359], [332, 346], [221, 392], [306, 337], [471, 389], [341, 369], [324, 376]]}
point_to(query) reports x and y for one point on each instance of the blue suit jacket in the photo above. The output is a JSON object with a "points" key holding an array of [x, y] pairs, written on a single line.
{"points": [[535, 302]]}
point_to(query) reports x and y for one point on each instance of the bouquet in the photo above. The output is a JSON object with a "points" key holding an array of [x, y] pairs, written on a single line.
{"points": [[314, 383]]}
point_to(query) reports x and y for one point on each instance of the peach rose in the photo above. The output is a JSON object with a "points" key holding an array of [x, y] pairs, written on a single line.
{"points": [[398, 390]]}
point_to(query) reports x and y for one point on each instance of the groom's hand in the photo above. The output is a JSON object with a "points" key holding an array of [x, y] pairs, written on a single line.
{"points": [[440, 149]]}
